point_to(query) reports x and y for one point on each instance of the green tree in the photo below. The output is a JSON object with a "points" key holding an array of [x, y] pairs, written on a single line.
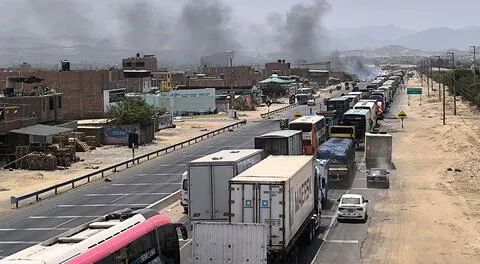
{"points": [[274, 90], [133, 111]]}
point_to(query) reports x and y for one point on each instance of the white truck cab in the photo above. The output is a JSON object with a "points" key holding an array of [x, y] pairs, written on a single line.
{"points": [[184, 192]]}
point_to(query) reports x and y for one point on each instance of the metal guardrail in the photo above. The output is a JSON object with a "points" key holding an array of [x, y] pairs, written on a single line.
{"points": [[278, 110], [55, 188]]}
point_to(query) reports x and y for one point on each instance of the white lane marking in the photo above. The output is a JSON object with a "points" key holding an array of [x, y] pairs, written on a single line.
{"points": [[100, 205], [158, 174], [145, 184], [188, 242], [122, 194], [342, 241], [171, 165], [327, 216], [361, 189], [119, 198], [19, 242], [361, 179], [326, 234], [32, 229], [68, 221], [62, 216]]}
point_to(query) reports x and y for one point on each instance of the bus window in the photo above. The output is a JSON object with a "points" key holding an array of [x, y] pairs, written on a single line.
{"points": [[142, 250], [304, 127], [168, 242]]}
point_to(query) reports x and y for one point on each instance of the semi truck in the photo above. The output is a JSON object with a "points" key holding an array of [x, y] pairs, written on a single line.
{"points": [[217, 242], [283, 142], [341, 153], [207, 182], [378, 150], [281, 191]]}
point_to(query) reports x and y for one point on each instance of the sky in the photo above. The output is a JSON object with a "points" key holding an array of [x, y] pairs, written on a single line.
{"points": [[409, 14]]}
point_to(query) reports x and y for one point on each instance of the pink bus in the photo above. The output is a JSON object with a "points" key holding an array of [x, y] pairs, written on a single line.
{"points": [[126, 237]]}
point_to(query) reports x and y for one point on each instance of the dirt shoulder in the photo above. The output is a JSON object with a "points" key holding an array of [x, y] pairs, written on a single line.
{"points": [[19, 182], [430, 214]]}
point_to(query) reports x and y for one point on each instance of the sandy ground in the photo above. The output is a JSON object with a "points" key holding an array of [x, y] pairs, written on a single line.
{"points": [[19, 182], [430, 215]]}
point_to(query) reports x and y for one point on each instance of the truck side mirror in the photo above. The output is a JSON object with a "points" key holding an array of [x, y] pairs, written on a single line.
{"points": [[388, 172], [338, 200], [366, 201]]}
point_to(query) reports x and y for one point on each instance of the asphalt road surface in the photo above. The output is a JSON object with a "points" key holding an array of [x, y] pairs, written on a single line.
{"points": [[138, 186], [337, 243]]}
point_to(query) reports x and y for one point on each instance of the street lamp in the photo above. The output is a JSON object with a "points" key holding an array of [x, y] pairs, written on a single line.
{"points": [[454, 90]]}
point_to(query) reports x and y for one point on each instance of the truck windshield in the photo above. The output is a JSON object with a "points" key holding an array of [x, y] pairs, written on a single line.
{"points": [[355, 120], [341, 130]]}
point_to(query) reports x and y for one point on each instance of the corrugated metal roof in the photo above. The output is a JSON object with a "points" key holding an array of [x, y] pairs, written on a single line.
{"points": [[41, 130]]}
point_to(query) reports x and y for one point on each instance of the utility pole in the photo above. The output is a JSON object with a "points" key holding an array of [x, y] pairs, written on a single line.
{"points": [[230, 55], [429, 65], [454, 81], [443, 104], [439, 89], [474, 68]]}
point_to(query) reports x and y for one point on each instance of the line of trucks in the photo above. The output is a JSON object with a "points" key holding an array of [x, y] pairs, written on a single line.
{"points": [[259, 205]]}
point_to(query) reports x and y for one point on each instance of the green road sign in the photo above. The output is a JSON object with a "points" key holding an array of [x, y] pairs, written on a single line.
{"points": [[414, 90]]}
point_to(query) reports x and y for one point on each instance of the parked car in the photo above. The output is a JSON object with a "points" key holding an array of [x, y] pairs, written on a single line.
{"points": [[378, 175], [311, 102], [352, 207]]}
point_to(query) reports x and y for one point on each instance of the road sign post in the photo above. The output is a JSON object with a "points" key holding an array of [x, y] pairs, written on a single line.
{"points": [[268, 103], [402, 115], [414, 91]]}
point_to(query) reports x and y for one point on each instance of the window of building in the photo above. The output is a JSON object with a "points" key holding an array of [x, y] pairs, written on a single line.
{"points": [[127, 64], [59, 102], [140, 64]]}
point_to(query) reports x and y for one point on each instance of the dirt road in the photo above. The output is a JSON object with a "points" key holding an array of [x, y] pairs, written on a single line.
{"points": [[431, 214]]}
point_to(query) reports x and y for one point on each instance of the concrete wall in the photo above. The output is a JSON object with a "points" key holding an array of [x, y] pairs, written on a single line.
{"points": [[118, 135]]}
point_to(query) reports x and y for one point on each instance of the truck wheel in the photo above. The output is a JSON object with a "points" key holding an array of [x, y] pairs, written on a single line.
{"points": [[311, 233]]}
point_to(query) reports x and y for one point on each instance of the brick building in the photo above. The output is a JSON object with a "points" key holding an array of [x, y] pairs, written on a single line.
{"points": [[82, 90], [147, 62], [280, 67], [221, 78]]}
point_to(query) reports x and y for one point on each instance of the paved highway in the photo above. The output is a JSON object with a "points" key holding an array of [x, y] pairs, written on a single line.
{"points": [[138, 186], [337, 243]]}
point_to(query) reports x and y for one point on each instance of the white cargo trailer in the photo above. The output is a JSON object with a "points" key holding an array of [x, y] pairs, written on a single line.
{"points": [[280, 191], [239, 243], [208, 181], [283, 142]]}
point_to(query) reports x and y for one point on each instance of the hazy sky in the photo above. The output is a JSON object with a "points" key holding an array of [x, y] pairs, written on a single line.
{"points": [[411, 14]]}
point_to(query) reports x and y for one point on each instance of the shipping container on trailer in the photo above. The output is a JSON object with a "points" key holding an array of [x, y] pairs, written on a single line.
{"points": [[208, 181], [378, 150], [283, 142], [229, 242], [281, 191]]}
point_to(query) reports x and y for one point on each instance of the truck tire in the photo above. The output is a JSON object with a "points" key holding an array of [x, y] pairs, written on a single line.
{"points": [[311, 233]]}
